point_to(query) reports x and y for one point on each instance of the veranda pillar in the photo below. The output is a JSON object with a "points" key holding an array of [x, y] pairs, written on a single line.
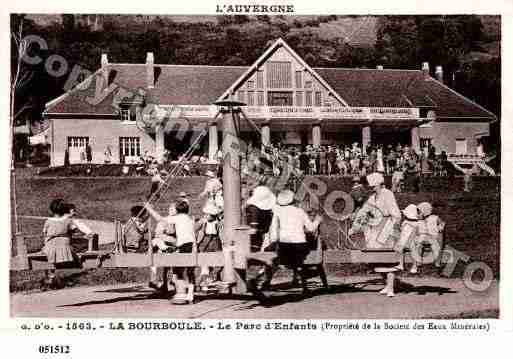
{"points": [[266, 133], [316, 135], [159, 143], [415, 140], [366, 138]]}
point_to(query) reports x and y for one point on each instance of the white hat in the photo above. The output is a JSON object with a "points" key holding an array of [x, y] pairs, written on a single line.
{"points": [[262, 198], [285, 197], [210, 173], [425, 208], [411, 212], [375, 179]]}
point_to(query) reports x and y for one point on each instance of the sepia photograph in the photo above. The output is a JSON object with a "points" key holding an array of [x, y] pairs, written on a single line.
{"points": [[255, 166]]}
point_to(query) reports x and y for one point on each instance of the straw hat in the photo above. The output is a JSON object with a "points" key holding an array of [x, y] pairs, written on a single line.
{"points": [[285, 197], [210, 173], [411, 212], [210, 208], [425, 208], [262, 198], [182, 194], [375, 179]]}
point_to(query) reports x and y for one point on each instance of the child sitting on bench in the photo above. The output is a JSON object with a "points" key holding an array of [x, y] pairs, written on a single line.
{"points": [[57, 231]]}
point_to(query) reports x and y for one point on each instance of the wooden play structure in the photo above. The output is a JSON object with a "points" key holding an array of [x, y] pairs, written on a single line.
{"points": [[236, 248]]}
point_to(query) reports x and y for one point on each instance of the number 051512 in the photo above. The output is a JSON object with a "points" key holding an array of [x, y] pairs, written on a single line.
{"points": [[54, 349]]}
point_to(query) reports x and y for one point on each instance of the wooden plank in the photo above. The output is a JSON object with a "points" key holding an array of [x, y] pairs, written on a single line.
{"points": [[126, 260], [211, 259]]}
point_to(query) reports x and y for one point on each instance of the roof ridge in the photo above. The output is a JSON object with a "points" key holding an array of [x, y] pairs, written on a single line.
{"points": [[361, 69], [176, 65]]}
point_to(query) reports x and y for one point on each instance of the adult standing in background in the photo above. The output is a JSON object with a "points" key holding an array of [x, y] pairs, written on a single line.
{"points": [[107, 154], [89, 153]]}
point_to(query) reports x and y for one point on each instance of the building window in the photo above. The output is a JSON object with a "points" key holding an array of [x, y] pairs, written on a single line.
{"points": [[279, 74], [308, 84], [299, 79], [77, 141], [241, 95], [260, 79], [250, 84], [126, 115], [129, 146], [425, 142], [279, 98], [318, 98], [299, 98], [251, 98], [461, 146], [308, 98], [260, 99]]}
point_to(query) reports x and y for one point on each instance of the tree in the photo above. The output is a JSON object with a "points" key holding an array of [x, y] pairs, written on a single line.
{"points": [[18, 81]]}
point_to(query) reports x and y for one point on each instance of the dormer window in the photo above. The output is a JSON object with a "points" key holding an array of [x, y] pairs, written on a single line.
{"points": [[127, 114]]}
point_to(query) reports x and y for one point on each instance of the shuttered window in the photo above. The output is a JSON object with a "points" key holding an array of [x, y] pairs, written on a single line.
{"points": [[299, 79], [279, 74], [318, 98], [251, 98], [299, 98], [260, 79], [260, 99], [308, 98]]}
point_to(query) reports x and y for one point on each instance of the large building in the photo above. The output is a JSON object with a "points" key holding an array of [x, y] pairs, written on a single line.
{"points": [[290, 101]]}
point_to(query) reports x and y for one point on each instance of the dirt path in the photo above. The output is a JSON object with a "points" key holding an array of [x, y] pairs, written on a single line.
{"points": [[348, 297]]}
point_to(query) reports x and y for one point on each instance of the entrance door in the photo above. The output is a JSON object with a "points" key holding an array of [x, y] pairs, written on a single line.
{"points": [[461, 146]]}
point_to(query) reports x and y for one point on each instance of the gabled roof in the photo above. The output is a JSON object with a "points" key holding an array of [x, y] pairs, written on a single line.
{"points": [[277, 44], [401, 88], [174, 84]]}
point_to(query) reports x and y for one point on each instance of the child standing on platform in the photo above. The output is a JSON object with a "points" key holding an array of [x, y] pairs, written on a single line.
{"points": [[209, 240], [433, 227]]}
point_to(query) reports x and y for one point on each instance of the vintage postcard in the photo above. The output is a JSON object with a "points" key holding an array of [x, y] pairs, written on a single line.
{"points": [[255, 168]]}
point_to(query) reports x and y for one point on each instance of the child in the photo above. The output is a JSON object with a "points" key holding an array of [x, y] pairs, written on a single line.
{"points": [[432, 226], [57, 232], [156, 180], [185, 243], [409, 231], [164, 242], [397, 179], [135, 229], [209, 240]]}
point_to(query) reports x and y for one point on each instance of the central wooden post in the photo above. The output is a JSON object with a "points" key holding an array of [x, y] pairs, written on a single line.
{"points": [[231, 184]]}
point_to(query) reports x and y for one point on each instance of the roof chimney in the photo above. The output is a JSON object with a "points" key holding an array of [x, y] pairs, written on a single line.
{"points": [[379, 67], [439, 74], [105, 69], [150, 74], [425, 69]]}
